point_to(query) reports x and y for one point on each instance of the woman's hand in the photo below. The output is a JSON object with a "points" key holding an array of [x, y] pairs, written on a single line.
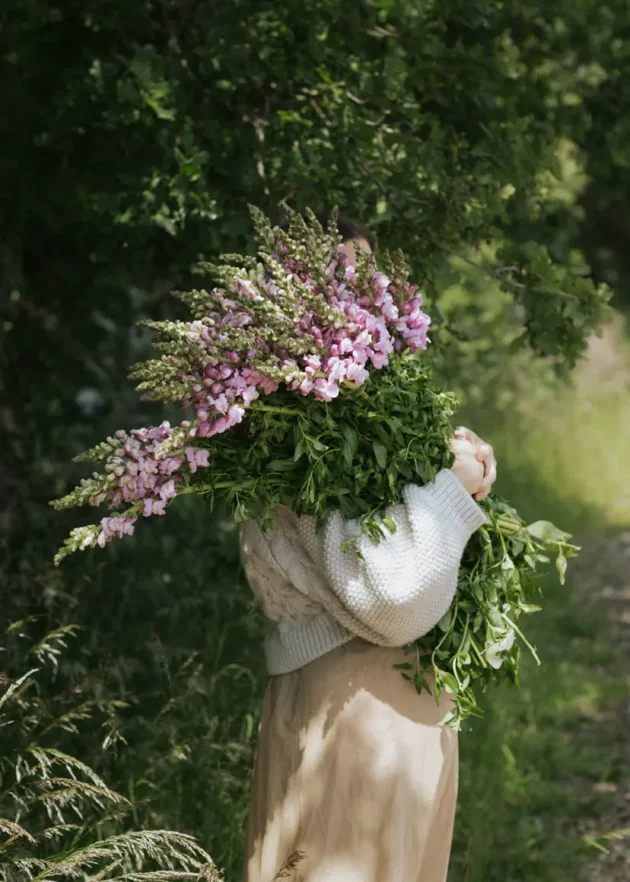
{"points": [[484, 454], [467, 468]]}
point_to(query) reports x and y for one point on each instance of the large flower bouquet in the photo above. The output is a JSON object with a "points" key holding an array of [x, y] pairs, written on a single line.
{"points": [[305, 376]]}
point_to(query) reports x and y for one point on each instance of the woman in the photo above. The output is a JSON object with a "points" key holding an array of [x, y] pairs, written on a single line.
{"points": [[355, 780]]}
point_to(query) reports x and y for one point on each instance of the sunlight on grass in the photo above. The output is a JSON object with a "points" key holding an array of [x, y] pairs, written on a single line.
{"points": [[527, 769], [575, 439], [562, 448], [529, 766]]}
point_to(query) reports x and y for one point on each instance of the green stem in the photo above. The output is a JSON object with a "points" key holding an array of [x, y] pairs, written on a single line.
{"points": [[188, 489], [503, 546], [507, 527], [456, 656], [523, 638], [463, 643], [479, 655], [268, 409], [446, 633]]}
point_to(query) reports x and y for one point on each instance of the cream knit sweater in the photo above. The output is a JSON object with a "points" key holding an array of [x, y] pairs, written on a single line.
{"points": [[319, 597]]}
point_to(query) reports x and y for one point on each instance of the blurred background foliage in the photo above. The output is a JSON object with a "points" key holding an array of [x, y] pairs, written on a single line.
{"points": [[489, 140]]}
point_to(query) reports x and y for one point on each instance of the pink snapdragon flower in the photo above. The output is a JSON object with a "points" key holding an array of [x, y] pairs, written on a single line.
{"points": [[137, 474], [197, 457], [113, 528], [325, 390], [331, 335]]}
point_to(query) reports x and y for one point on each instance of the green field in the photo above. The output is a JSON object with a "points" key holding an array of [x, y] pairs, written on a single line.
{"points": [[528, 806]]}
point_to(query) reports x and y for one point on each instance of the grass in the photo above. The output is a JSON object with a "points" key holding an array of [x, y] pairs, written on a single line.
{"points": [[527, 776], [529, 766], [572, 441]]}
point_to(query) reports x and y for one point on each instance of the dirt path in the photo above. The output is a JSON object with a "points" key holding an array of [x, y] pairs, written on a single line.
{"points": [[605, 584]]}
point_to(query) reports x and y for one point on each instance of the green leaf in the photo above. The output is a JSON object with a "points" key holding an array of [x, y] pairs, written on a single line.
{"points": [[561, 566], [281, 465], [390, 523], [547, 533], [348, 545], [317, 445], [380, 452], [445, 622], [350, 436], [450, 683]]}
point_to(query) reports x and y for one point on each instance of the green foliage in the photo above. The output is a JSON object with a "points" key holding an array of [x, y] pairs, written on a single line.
{"points": [[476, 644], [53, 806], [133, 137], [529, 772], [436, 124], [354, 453]]}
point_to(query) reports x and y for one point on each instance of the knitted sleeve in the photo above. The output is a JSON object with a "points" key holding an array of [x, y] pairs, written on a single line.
{"points": [[401, 587]]}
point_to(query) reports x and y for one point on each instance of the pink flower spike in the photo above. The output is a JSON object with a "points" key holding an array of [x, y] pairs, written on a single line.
{"points": [[168, 491], [191, 457], [221, 404], [390, 312], [268, 386], [202, 458], [170, 464], [128, 526], [306, 386], [356, 373], [381, 282], [250, 394], [218, 426], [246, 288], [325, 390], [336, 369], [235, 415], [313, 361], [379, 360]]}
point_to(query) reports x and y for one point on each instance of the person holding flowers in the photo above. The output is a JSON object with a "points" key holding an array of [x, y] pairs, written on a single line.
{"points": [[355, 779], [392, 581]]}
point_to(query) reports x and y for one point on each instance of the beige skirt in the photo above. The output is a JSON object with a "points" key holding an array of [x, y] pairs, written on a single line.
{"points": [[354, 778]]}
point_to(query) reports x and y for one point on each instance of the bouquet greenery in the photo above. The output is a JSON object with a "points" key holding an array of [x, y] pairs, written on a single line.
{"points": [[307, 387]]}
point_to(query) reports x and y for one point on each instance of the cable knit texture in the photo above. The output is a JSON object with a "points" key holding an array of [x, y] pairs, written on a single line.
{"points": [[318, 597]]}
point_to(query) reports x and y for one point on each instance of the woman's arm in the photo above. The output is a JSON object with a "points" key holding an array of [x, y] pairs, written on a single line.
{"points": [[401, 587]]}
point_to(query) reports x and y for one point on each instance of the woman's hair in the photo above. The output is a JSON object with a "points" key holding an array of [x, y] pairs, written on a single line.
{"points": [[348, 228]]}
